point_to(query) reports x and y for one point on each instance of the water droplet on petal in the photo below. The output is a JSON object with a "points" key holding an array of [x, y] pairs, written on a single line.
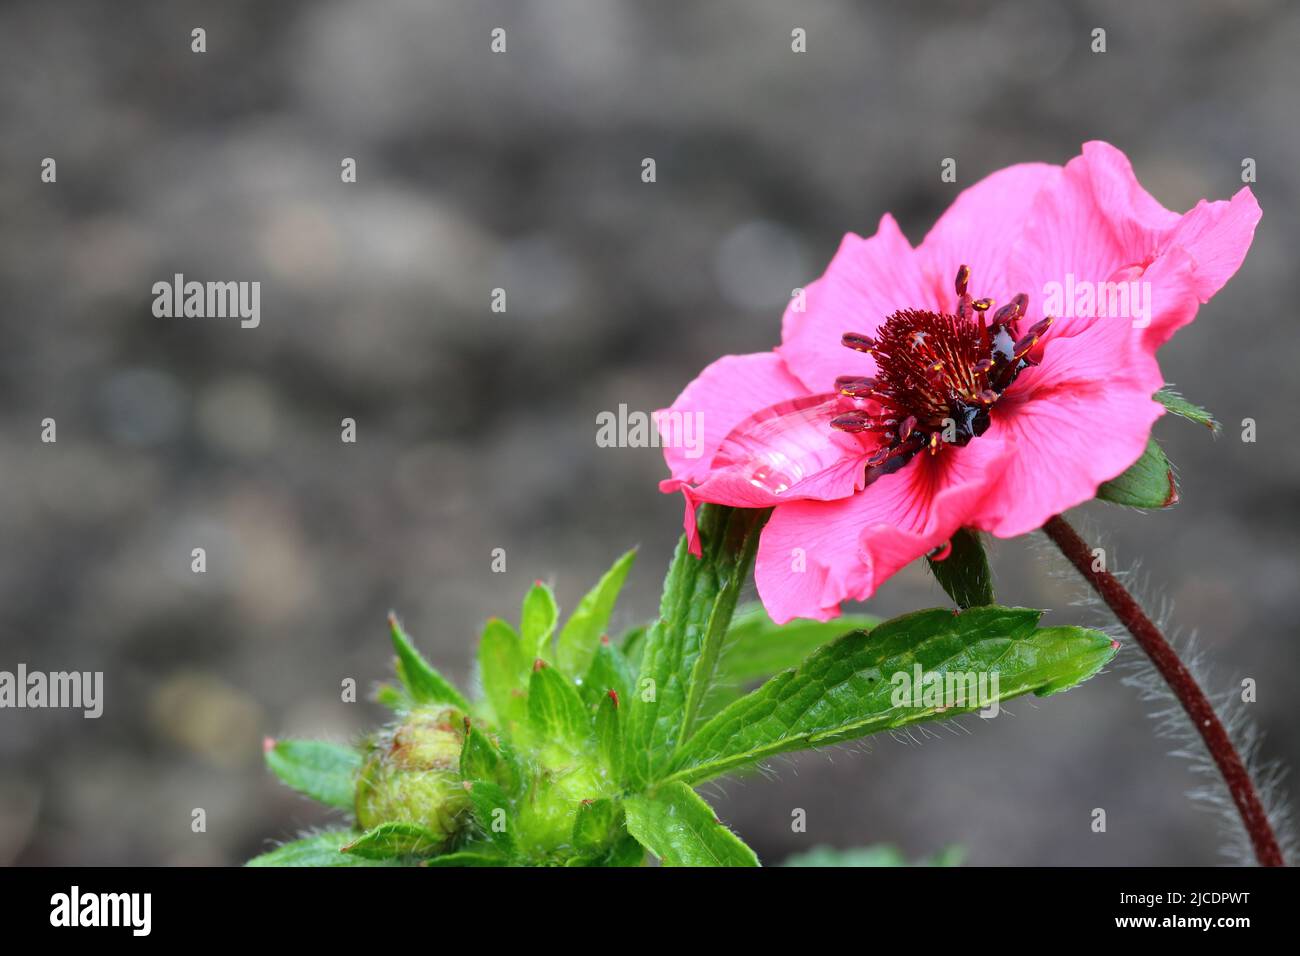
{"points": [[782, 445]]}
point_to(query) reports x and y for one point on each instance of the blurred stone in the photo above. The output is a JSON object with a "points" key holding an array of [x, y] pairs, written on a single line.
{"points": [[208, 718]]}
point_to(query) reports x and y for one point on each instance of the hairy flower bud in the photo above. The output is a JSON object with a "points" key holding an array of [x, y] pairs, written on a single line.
{"points": [[412, 775]]}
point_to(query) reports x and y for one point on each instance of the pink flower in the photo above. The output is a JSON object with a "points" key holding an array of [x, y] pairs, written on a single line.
{"points": [[952, 407]]}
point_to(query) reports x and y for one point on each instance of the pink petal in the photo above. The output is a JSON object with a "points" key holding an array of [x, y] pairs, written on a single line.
{"points": [[759, 439], [783, 453], [1171, 281], [814, 555], [720, 398], [1217, 235], [1079, 419], [980, 230], [1096, 224], [787, 451], [868, 280]]}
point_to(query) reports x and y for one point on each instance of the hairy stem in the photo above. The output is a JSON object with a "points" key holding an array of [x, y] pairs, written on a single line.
{"points": [[1181, 682]]}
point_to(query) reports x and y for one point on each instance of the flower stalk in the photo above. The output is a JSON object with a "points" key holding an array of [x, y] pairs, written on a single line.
{"points": [[1181, 682]]}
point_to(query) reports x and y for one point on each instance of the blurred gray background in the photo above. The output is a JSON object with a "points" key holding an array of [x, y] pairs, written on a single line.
{"points": [[477, 429]]}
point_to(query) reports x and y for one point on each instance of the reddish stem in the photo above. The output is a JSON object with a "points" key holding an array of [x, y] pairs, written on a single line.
{"points": [[1182, 683]]}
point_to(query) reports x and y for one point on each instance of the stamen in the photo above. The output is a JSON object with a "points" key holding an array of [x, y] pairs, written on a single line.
{"points": [[857, 342], [855, 386], [1030, 338], [853, 422]]}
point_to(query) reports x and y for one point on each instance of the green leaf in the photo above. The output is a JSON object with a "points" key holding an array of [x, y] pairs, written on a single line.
{"points": [[1148, 483], [680, 652], [503, 669], [674, 824], [822, 856], [323, 771], [425, 684], [609, 671], [1180, 406], [467, 858], [323, 849], [556, 713], [857, 685], [757, 648], [609, 736], [964, 574], [581, 634], [493, 812], [537, 620], [393, 840]]}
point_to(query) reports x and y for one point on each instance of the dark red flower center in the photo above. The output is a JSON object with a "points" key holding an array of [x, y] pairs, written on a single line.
{"points": [[937, 374]]}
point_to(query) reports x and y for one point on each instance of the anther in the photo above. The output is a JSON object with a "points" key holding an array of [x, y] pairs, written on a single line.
{"points": [[857, 341], [1030, 338], [963, 277], [856, 387], [852, 422]]}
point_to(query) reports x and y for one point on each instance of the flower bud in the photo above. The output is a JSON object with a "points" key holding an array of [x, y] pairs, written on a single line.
{"points": [[412, 775]]}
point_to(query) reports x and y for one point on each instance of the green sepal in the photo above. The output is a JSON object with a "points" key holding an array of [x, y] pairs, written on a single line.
{"points": [[322, 849], [631, 642], [609, 671], [1181, 407], [491, 805], [597, 827], [425, 685], [964, 573], [467, 858], [392, 841], [609, 735], [323, 771], [393, 697], [481, 759], [625, 852], [556, 713], [503, 671], [1148, 483], [537, 620], [581, 634]]}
